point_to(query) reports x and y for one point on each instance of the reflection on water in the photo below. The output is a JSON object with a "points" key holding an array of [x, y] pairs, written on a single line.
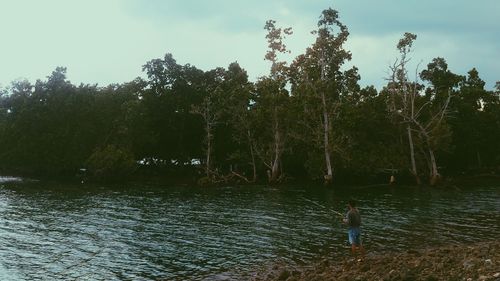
{"points": [[4, 179], [58, 232]]}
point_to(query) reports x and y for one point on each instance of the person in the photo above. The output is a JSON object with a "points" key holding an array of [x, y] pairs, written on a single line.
{"points": [[353, 221]]}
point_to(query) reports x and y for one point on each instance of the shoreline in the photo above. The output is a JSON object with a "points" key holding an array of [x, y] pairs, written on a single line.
{"points": [[451, 183], [474, 261]]}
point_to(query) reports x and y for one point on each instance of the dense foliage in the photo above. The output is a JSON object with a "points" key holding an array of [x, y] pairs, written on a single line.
{"points": [[307, 120]]}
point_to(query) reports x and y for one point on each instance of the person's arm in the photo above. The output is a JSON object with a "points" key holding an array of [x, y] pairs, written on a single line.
{"points": [[345, 220]]}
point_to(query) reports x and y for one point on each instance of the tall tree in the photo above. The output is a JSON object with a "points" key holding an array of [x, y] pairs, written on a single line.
{"points": [[402, 95], [319, 79], [173, 91], [474, 126], [239, 118], [424, 115], [210, 110], [272, 100]]}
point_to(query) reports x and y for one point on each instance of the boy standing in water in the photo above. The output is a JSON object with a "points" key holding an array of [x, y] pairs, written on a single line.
{"points": [[353, 220]]}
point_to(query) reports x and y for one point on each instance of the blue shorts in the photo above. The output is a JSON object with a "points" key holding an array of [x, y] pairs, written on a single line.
{"points": [[354, 236]]}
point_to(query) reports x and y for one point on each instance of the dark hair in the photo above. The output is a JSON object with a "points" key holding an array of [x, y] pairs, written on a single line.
{"points": [[352, 202]]}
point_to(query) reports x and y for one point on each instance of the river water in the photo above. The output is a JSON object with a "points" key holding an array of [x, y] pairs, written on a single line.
{"points": [[137, 232]]}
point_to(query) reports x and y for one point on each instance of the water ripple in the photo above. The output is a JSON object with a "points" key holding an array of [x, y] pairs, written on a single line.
{"points": [[63, 232]]}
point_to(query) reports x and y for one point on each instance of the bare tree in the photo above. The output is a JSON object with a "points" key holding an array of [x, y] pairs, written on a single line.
{"points": [[420, 115]]}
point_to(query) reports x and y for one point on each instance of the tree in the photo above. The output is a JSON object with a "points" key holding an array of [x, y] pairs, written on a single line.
{"points": [[423, 115], [272, 100], [320, 84], [441, 79], [475, 125], [402, 95], [172, 92], [238, 116], [210, 110]]}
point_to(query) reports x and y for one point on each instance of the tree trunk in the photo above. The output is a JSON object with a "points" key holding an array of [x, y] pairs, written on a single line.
{"points": [[413, 169], [209, 148], [275, 167], [329, 176], [427, 158], [254, 166], [277, 150], [434, 176]]}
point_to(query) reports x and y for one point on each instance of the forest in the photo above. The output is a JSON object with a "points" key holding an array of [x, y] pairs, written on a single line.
{"points": [[307, 120]]}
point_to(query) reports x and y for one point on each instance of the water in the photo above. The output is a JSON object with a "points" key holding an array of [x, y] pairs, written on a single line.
{"points": [[80, 232]]}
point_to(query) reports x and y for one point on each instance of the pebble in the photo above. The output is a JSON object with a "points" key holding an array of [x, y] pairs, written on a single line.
{"points": [[468, 264], [496, 275]]}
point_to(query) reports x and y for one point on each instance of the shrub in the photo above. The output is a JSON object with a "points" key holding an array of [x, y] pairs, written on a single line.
{"points": [[111, 163]]}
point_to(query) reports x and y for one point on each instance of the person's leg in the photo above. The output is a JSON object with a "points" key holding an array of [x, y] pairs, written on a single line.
{"points": [[357, 245], [362, 250], [350, 235]]}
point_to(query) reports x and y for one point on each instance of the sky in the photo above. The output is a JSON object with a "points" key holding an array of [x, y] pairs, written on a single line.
{"points": [[108, 41]]}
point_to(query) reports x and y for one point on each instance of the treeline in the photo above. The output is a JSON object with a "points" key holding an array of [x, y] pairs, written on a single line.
{"points": [[309, 120]]}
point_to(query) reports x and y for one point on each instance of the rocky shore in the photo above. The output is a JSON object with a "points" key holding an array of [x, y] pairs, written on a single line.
{"points": [[468, 262]]}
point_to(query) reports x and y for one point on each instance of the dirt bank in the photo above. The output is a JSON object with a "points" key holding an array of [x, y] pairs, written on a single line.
{"points": [[479, 261]]}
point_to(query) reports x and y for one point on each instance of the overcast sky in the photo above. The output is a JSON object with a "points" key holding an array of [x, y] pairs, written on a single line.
{"points": [[108, 41]]}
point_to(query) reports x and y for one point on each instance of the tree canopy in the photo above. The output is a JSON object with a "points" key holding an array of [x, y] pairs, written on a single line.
{"points": [[307, 120]]}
